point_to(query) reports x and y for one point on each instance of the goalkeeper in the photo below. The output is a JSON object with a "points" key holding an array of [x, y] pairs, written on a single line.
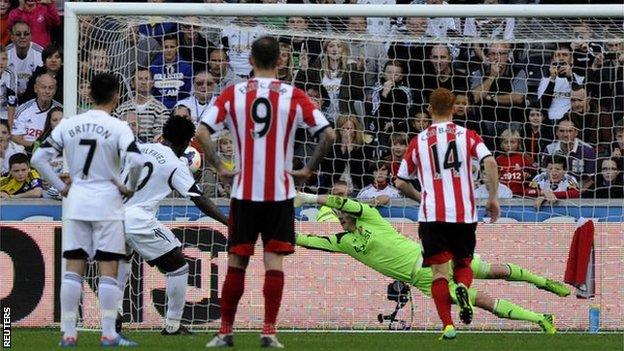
{"points": [[372, 240]]}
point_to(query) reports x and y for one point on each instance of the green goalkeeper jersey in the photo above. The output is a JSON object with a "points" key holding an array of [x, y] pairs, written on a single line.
{"points": [[374, 242]]}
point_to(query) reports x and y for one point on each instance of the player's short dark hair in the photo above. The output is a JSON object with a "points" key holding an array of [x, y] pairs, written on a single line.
{"points": [[265, 52], [178, 130], [557, 159], [104, 86], [18, 158]]}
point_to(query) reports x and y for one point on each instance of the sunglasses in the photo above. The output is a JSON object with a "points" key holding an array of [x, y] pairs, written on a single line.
{"points": [[21, 34]]}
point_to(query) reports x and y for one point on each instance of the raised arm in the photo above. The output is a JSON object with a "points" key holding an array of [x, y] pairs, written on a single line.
{"points": [[209, 208], [323, 243], [343, 204], [326, 140]]}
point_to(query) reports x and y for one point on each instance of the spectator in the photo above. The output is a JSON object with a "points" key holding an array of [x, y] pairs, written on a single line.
{"points": [[490, 27], [369, 56], [391, 100], [24, 55], [378, 26], [221, 70], [211, 183], [172, 75], [8, 89], [554, 91], [609, 182], [463, 113], [419, 122], [499, 91], [41, 16], [349, 154], [52, 57], [412, 54], [132, 119], [54, 117], [152, 113], [380, 184], [538, 133], [132, 51], [158, 29], [303, 46], [194, 48], [584, 52], [30, 117], [515, 169], [596, 128], [272, 22], [617, 147], [440, 74], [84, 95], [5, 36], [22, 181], [398, 146], [98, 61], [182, 111], [203, 95], [285, 64], [8, 148], [610, 74], [237, 39], [482, 191], [340, 78], [581, 156], [554, 184]]}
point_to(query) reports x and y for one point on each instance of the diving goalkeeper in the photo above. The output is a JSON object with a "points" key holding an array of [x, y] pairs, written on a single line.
{"points": [[372, 240]]}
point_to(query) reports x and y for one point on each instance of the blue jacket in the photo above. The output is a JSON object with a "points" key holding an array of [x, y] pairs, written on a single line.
{"points": [[172, 82]]}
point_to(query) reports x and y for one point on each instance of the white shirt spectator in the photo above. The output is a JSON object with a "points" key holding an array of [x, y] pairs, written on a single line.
{"points": [[371, 192], [490, 28], [30, 119], [239, 44], [198, 110], [561, 95], [481, 192], [23, 69], [378, 26], [8, 92]]}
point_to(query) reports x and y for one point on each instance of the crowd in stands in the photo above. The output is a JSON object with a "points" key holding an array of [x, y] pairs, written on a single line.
{"points": [[552, 113]]}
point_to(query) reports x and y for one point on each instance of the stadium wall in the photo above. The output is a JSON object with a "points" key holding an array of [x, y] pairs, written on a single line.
{"points": [[323, 291]]}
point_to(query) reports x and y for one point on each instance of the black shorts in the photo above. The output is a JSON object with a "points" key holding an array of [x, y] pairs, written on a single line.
{"points": [[443, 242], [275, 221]]}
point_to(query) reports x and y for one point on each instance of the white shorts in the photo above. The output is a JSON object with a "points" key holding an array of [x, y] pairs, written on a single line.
{"points": [[98, 239], [152, 242]]}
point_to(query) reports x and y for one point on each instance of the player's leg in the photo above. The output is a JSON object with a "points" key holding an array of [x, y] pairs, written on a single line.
{"points": [[462, 246], [506, 309], [123, 272], [110, 247], [77, 246], [242, 235], [513, 272], [278, 237], [436, 255]]}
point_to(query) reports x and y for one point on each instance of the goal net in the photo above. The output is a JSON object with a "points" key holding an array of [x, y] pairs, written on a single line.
{"points": [[533, 87]]}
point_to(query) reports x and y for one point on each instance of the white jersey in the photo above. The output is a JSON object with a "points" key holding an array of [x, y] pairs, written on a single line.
{"points": [[263, 114], [92, 143], [162, 173], [8, 92], [440, 157], [371, 192], [24, 68], [30, 119]]}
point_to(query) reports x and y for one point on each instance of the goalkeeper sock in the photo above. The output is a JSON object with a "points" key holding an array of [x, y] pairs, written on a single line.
{"points": [[509, 310], [517, 273], [71, 290], [176, 297], [442, 299], [273, 288], [462, 273], [233, 289], [123, 271], [109, 295]]}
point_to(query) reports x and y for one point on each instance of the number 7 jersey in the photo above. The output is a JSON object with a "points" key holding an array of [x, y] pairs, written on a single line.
{"points": [[92, 143], [440, 157], [262, 115]]}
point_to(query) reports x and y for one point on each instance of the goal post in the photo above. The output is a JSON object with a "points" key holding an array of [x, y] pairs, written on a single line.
{"points": [[335, 292]]}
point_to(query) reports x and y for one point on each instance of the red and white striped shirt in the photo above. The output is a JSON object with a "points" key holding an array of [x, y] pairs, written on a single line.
{"points": [[263, 114], [440, 157]]}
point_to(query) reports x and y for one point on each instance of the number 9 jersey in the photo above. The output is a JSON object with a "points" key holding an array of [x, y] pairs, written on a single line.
{"points": [[92, 143], [440, 157]]}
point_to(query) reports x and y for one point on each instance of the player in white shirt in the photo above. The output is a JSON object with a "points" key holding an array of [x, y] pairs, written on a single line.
{"points": [[92, 144], [24, 55], [164, 172], [440, 156]]}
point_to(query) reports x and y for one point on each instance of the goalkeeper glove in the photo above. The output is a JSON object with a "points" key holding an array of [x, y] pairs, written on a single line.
{"points": [[305, 199]]}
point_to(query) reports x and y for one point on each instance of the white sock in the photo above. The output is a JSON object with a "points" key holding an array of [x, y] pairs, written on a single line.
{"points": [[71, 290], [176, 296], [109, 295], [123, 271]]}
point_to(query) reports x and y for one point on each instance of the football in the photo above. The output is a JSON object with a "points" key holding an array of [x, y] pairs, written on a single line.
{"points": [[193, 159]]}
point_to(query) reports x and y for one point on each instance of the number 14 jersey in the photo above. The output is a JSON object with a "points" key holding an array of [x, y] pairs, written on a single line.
{"points": [[262, 115], [440, 157]]}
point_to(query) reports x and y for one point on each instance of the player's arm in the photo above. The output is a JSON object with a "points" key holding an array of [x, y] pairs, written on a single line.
{"points": [[134, 164], [407, 171], [325, 142], [209, 208], [210, 152], [479, 151], [182, 181], [214, 121], [352, 207], [407, 188], [40, 159], [329, 243], [491, 170]]}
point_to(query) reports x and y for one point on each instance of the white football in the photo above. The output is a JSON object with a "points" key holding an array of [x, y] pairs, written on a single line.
{"points": [[193, 159]]}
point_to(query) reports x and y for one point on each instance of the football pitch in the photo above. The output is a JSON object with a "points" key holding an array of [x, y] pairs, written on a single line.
{"points": [[46, 339]]}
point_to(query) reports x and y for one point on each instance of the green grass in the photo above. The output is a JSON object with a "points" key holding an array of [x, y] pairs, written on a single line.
{"points": [[46, 339]]}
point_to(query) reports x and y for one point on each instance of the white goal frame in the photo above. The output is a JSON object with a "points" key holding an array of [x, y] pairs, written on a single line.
{"points": [[75, 9]]}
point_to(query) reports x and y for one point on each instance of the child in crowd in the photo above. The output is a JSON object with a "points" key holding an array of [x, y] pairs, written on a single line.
{"points": [[380, 184], [397, 150], [609, 182], [226, 154], [515, 169], [22, 181], [555, 183], [8, 148], [419, 122]]}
